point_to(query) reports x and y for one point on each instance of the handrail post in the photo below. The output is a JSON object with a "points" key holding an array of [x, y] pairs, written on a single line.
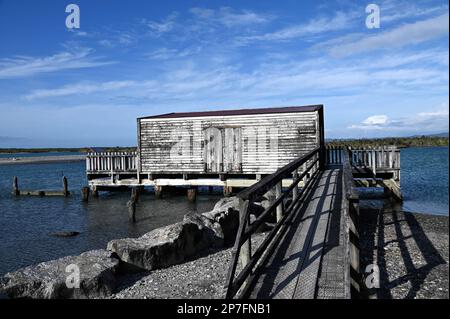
{"points": [[295, 190], [355, 274], [305, 177], [245, 251], [278, 193], [111, 163]]}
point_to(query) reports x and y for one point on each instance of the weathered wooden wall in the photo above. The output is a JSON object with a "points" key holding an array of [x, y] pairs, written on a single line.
{"points": [[161, 140]]}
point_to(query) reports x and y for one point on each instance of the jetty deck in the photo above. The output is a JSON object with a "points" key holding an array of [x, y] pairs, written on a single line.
{"points": [[312, 250], [307, 262]]}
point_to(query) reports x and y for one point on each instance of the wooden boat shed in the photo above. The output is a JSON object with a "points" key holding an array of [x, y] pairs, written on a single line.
{"points": [[229, 148]]}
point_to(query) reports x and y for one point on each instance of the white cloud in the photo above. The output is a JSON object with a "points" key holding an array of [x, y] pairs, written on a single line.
{"points": [[392, 11], [376, 120], [164, 26], [407, 34], [316, 26], [229, 17], [432, 121], [80, 88], [169, 53], [22, 66]]}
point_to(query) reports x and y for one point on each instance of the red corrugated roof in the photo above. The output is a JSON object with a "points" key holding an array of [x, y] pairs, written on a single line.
{"points": [[286, 109]]}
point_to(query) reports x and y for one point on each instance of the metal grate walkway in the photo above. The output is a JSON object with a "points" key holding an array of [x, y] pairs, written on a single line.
{"points": [[308, 261]]}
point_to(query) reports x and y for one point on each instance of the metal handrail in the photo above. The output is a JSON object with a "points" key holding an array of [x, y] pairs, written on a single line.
{"points": [[242, 247]]}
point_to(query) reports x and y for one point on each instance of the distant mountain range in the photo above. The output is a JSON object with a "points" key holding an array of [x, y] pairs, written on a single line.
{"points": [[439, 135]]}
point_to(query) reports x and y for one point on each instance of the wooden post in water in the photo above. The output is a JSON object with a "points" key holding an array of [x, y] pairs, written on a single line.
{"points": [[16, 190], [227, 191], [85, 193], [95, 191], [65, 187], [192, 194], [132, 204], [158, 191]]}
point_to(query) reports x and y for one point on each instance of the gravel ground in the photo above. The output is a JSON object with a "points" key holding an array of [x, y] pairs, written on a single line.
{"points": [[411, 251], [201, 278]]}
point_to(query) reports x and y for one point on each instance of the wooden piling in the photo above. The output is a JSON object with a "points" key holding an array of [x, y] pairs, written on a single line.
{"points": [[16, 190], [85, 193], [192, 194], [65, 186], [227, 191], [131, 204], [158, 191], [95, 191]]}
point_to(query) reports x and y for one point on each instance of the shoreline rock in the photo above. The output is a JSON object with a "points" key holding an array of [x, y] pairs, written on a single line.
{"points": [[47, 280], [175, 243]]}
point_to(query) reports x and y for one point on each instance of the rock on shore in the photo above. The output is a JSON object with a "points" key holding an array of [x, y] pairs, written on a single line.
{"points": [[47, 280], [175, 243]]}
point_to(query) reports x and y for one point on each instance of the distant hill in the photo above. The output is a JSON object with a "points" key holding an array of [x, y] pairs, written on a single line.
{"points": [[440, 139], [439, 135]]}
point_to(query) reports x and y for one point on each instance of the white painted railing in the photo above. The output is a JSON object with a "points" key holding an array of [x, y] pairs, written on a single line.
{"points": [[111, 162]]}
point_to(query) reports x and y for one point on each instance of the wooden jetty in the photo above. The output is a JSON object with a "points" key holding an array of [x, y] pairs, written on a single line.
{"points": [[276, 154], [312, 251]]}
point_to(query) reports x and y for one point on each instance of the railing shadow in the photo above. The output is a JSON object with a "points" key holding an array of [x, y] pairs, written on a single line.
{"points": [[375, 224]]}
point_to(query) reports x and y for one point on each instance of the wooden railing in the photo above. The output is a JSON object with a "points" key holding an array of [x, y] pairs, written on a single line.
{"points": [[387, 157], [350, 208], [304, 169], [111, 162], [375, 158]]}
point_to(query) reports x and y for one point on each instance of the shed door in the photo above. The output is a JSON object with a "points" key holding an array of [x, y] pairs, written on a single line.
{"points": [[223, 149]]}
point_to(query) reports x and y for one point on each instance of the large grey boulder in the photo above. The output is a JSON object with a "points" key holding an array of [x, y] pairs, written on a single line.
{"points": [[226, 214], [173, 244], [162, 247], [57, 278]]}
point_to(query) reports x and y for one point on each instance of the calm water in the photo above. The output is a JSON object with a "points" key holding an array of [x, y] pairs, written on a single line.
{"points": [[27, 221], [424, 180]]}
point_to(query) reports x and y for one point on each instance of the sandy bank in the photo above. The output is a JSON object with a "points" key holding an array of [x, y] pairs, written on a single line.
{"points": [[42, 159]]}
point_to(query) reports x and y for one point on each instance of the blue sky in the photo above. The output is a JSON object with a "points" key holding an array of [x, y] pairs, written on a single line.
{"points": [[86, 86]]}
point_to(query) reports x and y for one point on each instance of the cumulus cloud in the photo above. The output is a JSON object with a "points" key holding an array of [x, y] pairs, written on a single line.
{"points": [[432, 121]]}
